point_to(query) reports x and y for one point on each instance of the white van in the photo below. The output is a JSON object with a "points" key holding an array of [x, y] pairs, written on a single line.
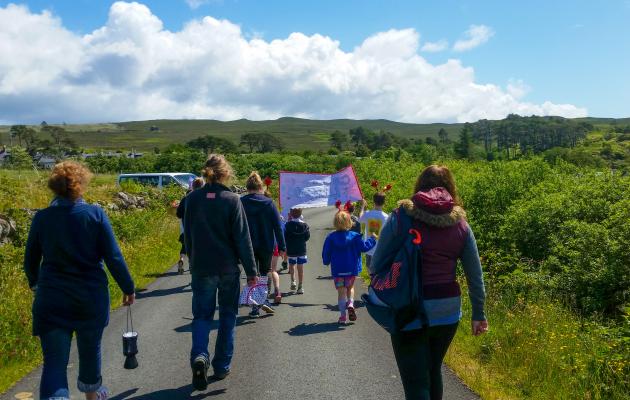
{"points": [[159, 180]]}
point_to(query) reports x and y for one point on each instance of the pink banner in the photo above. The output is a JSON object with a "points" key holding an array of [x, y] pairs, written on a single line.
{"points": [[309, 190]]}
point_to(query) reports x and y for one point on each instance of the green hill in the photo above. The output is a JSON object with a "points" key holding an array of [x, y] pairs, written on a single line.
{"points": [[297, 133]]}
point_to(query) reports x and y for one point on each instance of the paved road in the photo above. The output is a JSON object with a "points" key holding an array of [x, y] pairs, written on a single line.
{"points": [[300, 352]]}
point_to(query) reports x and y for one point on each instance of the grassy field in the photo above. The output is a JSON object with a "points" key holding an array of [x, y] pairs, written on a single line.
{"points": [[148, 240], [298, 134]]}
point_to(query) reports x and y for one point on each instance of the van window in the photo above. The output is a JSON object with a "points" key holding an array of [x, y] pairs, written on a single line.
{"points": [[185, 179], [167, 180], [148, 180]]}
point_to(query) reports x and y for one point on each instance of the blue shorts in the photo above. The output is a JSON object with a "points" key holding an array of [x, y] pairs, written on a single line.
{"points": [[298, 260]]}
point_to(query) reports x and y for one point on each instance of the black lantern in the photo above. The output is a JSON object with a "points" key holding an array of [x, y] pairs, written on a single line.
{"points": [[130, 343]]}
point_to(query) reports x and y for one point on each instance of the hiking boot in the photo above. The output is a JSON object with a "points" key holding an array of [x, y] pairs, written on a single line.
{"points": [[293, 285], [200, 373], [300, 290], [267, 308], [255, 312]]}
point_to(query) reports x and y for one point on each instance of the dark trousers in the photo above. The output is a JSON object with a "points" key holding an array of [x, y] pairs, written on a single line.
{"points": [[419, 355], [56, 349], [263, 260]]}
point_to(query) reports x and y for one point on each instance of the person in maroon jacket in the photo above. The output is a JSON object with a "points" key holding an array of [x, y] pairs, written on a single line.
{"points": [[446, 236]]}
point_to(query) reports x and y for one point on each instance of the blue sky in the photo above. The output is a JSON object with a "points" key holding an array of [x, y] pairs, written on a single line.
{"points": [[564, 52]]}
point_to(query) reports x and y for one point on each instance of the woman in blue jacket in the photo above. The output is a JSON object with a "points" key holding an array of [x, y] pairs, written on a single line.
{"points": [[66, 247], [342, 251], [265, 230]]}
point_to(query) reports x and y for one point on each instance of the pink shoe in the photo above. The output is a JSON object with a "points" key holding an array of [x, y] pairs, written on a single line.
{"points": [[342, 320]]}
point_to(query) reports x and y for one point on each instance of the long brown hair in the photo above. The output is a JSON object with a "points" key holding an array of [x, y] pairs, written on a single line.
{"points": [[217, 169], [437, 176]]}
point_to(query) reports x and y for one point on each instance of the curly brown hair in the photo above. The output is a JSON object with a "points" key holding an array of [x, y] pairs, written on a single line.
{"points": [[69, 179]]}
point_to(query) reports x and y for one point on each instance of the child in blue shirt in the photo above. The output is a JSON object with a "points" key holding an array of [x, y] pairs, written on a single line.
{"points": [[342, 251]]}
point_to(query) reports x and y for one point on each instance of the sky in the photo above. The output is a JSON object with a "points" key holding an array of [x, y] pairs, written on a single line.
{"points": [[81, 61]]}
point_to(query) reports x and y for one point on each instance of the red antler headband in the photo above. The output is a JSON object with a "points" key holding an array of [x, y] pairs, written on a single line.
{"points": [[376, 185]]}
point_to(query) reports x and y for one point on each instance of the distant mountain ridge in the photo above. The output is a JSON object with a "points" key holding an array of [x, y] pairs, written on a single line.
{"points": [[297, 133]]}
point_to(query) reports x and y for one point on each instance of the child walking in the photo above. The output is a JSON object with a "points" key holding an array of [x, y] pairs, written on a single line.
{"points": [[373, 220], [342, 251], [296, 234]]}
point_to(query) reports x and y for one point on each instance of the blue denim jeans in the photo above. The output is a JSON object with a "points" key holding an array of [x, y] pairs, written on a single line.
{"points": [[206, 290], [56, 349]]}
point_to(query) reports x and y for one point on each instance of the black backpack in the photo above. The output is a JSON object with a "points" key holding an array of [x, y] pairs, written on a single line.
{"points": [[398, 284]]}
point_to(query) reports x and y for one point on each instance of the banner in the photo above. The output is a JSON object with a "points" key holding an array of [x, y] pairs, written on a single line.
{"points": [[309, 190]]}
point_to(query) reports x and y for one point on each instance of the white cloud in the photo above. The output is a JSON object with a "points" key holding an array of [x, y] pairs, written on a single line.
{"points": [[475, 36], [194, 4], [132, 68], [517, 88], [434, 47]]}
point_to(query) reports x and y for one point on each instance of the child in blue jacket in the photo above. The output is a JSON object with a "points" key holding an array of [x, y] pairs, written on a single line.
{"points": [[342, 250]]}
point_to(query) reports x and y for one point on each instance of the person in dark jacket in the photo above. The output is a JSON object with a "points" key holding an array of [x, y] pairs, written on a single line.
{"points": [[342, 251], [356, 224], [196, 184], [67, 244], [296, 234], [446, 238], [217, 238], [265, 230]]}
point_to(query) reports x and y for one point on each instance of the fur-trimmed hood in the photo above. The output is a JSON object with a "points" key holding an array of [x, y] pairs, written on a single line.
{"points": [[438, 220]]}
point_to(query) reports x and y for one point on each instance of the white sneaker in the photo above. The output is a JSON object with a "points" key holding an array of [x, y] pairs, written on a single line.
{"points": [[102, 393], [293, 285], [300, 290]]}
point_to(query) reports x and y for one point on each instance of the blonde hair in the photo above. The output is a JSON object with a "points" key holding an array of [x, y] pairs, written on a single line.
{"points": [[217, 169], [343, 221], [69, 179], [254, 182]]}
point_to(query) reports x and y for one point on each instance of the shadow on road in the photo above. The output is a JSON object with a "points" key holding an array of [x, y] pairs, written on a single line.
{"points": [[163, 292], [315, 328], [240, 320], [328, 278], [161, 275], [335, 307], [184, 392]]}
